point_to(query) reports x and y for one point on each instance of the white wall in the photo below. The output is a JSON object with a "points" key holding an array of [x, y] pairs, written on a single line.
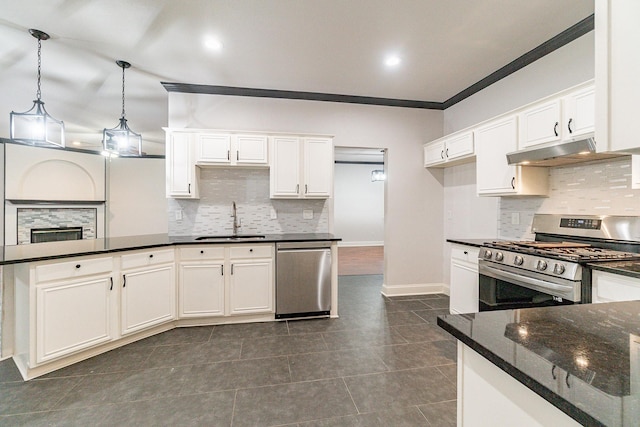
{"points": [[358, 205], [466, 215], [414, 210], [136, 200]]}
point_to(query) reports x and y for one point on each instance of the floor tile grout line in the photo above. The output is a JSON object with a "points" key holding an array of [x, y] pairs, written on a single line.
{"points": [[350, 395], [64, 395], [233, 407]]}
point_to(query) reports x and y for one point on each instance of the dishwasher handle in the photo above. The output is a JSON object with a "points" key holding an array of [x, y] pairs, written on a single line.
{"points": [[302, 246]]}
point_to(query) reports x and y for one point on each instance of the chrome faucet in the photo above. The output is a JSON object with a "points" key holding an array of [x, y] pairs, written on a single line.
{"points": [[236, 221]]}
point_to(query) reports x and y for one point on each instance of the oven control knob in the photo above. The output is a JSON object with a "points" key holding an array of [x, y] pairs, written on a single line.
{"points": [[499, 256], [487, 254], [558, 269], [518, 260], [542, 265]]}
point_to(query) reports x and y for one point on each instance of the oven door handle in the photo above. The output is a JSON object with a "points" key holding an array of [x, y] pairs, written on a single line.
{"points": [[527, 282]]}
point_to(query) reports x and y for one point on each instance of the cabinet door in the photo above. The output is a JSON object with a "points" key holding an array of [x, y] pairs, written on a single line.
{"points": [[434, 153], [251, 287], [181, 173], [72, 316], [463, 290], [635, 172], [540, 124], [251, 150], [608, 287], [285, 168], [493, 142], [201, 289], [318, 168], [148, 298], [459, 146], [579, 113], [213, 148]]}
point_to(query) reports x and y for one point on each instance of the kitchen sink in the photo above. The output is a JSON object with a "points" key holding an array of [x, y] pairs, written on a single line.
{"points": [[232, 238]]}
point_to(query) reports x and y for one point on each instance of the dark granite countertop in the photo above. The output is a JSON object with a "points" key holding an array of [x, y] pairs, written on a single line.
{"points": [[625, 268], [594, 348], [472, 242], [55, 250]]}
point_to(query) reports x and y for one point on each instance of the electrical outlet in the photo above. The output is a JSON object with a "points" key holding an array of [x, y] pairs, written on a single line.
{"points": [[273, 214], [515, 218], [307, 214], [179, 215]]}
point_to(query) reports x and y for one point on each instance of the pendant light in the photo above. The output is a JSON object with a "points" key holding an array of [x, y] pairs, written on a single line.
{"points": [[121, 141], [36, 126]]}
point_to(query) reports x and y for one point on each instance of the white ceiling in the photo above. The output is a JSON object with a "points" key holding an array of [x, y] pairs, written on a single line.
{"points": [[328, 46]]}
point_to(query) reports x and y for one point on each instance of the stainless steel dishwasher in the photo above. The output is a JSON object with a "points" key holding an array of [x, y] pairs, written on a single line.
{"points": [[303, 279]]}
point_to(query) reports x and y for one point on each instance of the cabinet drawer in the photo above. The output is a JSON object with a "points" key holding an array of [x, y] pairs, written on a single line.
{"points": [[251, 251], [202, 252], [465, 253], [143, 259], [71, 269]]}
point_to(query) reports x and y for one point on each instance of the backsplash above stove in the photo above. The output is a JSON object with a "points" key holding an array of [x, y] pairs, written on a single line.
{"points": [[600, 188]]}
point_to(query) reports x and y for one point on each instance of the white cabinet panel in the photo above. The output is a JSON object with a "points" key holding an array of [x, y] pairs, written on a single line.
{"points": [[201, 289], [147, 298], [251, 287], [182, 175], [463, 288], [285, 167], [540, 124], [213, 148], [72, 316], [252, 150], [318, 167], [579, 114], [608, 287], [72, 269], [146, 258], [434, 153], [449, 151]]}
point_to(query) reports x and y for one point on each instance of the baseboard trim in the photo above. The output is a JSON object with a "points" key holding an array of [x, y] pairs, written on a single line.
{"points": [[358, 244], [413, 289]]}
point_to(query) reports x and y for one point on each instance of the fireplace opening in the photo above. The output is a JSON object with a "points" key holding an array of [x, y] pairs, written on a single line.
{"points": [[40, 235]]}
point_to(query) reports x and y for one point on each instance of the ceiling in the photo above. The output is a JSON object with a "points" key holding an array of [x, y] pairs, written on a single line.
{"points": [[329, 46]]}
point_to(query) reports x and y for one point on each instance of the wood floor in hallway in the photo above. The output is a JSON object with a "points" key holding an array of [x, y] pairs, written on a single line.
{"points": [[360, 260]]}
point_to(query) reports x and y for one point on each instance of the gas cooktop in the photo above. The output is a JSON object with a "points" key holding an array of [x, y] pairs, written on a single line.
{"points": [[569, 251]]}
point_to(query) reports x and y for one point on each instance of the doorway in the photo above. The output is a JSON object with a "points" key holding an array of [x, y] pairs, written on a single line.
{"points": [[359, 198]]}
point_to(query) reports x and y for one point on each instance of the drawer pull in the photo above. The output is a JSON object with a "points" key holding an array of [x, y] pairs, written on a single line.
{"points": [[250, 250], [201, 252], [466, 253], [78, 266], [566, 380], [232, 269], [151, 256], [553, 372]]}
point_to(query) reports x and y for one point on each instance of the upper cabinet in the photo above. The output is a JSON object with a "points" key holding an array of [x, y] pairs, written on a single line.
{"points": [[495, 177], [617, 60], [451, 150], [301, 167], [540, 124], [579, 113], [224, 149], [182, 175]]}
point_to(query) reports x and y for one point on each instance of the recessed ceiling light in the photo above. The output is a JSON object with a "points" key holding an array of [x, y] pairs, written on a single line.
{"points": [[392, 61], [213, 44]]}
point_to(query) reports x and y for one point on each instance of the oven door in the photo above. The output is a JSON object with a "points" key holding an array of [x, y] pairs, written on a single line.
{"points": [[505, 287]]}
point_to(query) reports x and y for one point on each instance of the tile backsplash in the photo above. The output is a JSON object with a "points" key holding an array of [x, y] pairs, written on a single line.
{"points": [[249, 188], [34, 218], [599, 188]]}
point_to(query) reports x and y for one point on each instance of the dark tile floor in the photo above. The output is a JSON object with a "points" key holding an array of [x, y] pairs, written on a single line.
{"points": [[384, 362]]}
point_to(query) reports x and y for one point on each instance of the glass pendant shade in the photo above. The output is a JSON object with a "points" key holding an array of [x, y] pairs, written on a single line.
{"points": [[120, 140], [36, 126]]}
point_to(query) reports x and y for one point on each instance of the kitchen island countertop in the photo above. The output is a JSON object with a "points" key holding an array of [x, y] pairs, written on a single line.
{"points": [[73, 248], [583, 359]]}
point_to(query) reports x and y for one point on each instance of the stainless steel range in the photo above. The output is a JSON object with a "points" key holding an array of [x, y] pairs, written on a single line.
{"points": [[554, 269]]}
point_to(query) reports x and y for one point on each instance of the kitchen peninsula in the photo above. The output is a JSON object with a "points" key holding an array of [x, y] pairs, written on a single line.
{"points": [[77, 299], [561, 366]]}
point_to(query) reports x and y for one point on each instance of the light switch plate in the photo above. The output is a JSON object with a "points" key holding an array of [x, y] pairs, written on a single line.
{"points": [[273, 214], [307, 214], [515, 218]]}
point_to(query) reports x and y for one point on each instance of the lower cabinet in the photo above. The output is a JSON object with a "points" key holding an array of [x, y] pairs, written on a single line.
{"points": [[201, 282], [251, 287], [609, 287], [463, 287], [73, 316]]}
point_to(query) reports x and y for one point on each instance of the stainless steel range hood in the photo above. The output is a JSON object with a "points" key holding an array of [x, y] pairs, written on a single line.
{"points": [[582, 150]]}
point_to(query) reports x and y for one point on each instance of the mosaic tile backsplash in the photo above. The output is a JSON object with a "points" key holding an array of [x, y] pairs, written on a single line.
{"points": [[29, 218], [249, 188], [600, 188]]}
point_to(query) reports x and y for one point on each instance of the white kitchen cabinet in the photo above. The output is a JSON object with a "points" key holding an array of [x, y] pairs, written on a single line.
{"points": [[463, 286], [251, 289], [225, 149], [201, 288], [182, 174], [609, 287], [540, 124], [301, 167], [617, 67], [495, 177], [449, 151], [635, 172], [148, 291], [578, 113]]}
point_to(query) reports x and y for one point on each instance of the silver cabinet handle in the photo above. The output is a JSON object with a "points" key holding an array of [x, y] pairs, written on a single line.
{"points": [[442, 154], [569, 125], [306, 189], [222, 270], [232, 269], [124, 280], [297, 188]]}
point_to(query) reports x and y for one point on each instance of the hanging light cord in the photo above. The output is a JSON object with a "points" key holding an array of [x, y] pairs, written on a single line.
{"points": [[39, 66], [123, 92]]}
